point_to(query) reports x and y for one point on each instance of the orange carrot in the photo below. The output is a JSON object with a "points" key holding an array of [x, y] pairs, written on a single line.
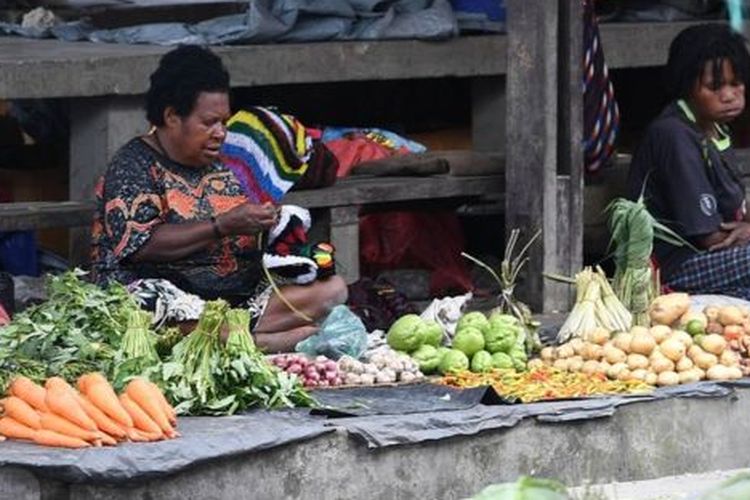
{"points": [[95, 378], [139, 391], [56, 423], [13, 429], [134, 435], [52, 438], [21, 411], [140, 418], [82, 382], [58, 383], [32, 393], [64, 403], [103, 422], [168, 409], [150, 436], [106, 439], [104, 397], [88, 379], [139, 436]]}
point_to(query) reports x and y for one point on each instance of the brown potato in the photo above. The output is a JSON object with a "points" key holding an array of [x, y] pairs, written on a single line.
{"points": [[667, 309], [730, 315]]}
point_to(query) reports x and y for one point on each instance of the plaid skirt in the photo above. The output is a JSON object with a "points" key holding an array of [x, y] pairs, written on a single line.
{"points": [[724, 272]]}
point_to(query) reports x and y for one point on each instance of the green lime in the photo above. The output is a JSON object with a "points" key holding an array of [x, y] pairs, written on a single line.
{"points": [[695, 327]]}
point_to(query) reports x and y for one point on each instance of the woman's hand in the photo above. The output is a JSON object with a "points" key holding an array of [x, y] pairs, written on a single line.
{"points": [[248, 219], [738, 233]]}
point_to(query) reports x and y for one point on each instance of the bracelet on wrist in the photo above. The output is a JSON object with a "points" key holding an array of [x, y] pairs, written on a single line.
{"points": [[215, 227]]}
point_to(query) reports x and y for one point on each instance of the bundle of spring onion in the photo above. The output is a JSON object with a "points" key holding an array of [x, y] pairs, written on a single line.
{"points": [[633, 231], [596, 306]]}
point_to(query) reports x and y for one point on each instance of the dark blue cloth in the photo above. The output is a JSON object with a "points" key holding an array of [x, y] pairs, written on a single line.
{"points": [[18, 253]]}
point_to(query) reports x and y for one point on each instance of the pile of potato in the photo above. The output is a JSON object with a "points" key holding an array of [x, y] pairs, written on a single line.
{"points": [[729, 321], [658, 355], [732, 323]]}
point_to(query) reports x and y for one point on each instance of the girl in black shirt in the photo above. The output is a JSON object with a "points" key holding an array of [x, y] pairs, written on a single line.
{"points": [[686, 169]]}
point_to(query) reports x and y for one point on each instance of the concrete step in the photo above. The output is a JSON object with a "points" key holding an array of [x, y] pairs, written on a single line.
{"points": [[686, 486]]}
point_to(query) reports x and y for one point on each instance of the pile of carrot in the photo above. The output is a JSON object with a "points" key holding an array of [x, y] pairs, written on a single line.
{"points": [[59, 415]]}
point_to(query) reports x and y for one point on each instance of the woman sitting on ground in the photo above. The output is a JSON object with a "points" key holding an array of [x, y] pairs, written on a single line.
{"points": [[686, 169], [173, 223]]}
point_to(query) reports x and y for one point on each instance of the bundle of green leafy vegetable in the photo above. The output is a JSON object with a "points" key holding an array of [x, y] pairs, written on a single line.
{"points": [[137, 351], [77, 330], [205, 377], [634, 231], [83, 328], [526, 488], [256, 380]]}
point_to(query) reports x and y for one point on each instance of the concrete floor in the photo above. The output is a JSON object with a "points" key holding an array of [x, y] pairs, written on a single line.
{"points": [[685, 486]]}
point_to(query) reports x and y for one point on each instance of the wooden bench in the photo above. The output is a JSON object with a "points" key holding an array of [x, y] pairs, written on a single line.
{"points": [[339, 204]]}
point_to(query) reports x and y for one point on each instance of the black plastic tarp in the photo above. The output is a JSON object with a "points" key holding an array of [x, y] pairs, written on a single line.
{"points": [[202, 439], [391, 430], [398, 400]]}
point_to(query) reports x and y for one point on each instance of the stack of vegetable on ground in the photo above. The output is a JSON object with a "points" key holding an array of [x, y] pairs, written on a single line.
{"points": [[480, 343], [657, 355], [58, 415], [83, 328], [204, 376], [317, 372], [487, 343], [596, 307], [78, 329], [544, 383], [715, 326], [384, 366], [633, 231]]}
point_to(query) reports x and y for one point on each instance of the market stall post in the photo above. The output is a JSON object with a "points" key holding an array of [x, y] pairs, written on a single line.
{"points": [[543, 179], [344, 234], [570, 169], [98, 128]]}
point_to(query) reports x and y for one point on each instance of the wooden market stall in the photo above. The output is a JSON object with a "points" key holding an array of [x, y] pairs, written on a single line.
{"points": [[525, 94]]}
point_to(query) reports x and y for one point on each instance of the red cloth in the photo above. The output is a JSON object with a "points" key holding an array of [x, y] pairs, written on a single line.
{"points": [[416, 240], [5, 195], [355, 149]]}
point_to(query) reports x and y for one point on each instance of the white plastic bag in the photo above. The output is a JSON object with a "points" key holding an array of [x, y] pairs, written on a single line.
{"points": [[446, 312]]}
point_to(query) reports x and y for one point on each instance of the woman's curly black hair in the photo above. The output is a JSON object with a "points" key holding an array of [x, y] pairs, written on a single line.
{"points": [[701, 44], [182, 75]]}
